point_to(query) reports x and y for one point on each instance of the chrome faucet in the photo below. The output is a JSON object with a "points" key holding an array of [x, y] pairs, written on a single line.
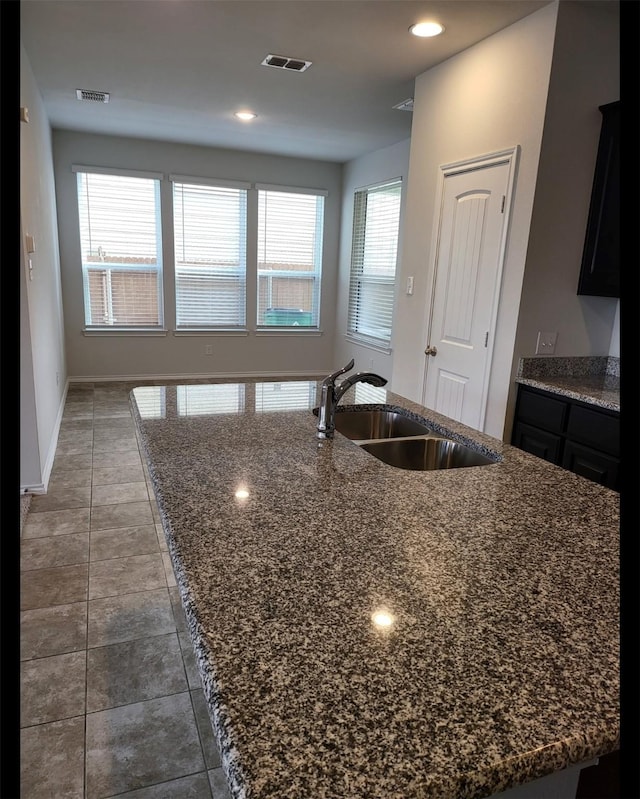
{"points": [[332, 394]]}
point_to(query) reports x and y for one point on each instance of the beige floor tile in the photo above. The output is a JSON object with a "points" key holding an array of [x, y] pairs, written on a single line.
{"points": [[61, 499], [219, 784], [71, 463], [203, 722], [57, 522], [66, 448], [162, 541], [72, 478], [189, 660], [53, 631], [138, 745], [105, 460], [74, 436], [58, 550], [134, 671], [125, 575], [62, 585], [118, 474], [195, 786], [130, 616], [67, 425], [127, 514], [121, 542], [168, 569], [52, 760], [114, 423], [52, 688], [119, 493], [178, 610], [115, 445]]}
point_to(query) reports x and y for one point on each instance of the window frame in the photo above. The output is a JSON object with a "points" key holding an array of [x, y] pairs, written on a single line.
{"points": [[357, 275], [315, 275], [157, 268]]}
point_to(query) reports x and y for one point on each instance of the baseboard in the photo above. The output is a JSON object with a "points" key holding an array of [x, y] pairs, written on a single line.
{"points": [[41, 488], [309, 375]]}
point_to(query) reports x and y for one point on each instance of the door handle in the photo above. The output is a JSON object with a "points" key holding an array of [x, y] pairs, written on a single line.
{"points": [[431, 351]]}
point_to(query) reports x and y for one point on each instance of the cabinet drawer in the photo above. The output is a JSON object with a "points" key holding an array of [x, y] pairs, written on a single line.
{"points": [[542, 411], [591, 464], [595, 428], [538, 442]]}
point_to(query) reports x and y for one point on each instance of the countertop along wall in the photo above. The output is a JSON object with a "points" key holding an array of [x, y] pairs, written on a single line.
{"points": [[139, 356]]}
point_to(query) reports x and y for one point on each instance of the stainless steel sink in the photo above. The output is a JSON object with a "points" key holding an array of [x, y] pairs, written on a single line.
{"points": [[367, 425], [425, 454]]}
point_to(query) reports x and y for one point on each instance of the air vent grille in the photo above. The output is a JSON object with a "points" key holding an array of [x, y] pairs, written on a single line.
{"points": [[405, 105], [92, 96], [284, 62]]}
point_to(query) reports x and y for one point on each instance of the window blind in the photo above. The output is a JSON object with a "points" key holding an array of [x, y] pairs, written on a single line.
{"points": [[290, 228], [376, 221], [289, 396], [210, 235], [121, 252], [204, 400]]}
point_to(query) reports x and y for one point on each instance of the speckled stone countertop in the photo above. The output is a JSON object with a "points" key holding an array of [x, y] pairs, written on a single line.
{"points": [[595, 380], [500, 664]]}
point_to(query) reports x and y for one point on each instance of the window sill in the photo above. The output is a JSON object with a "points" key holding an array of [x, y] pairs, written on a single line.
{"points": [[123, 331], [208, 331], [288, 331], [370, 345]]}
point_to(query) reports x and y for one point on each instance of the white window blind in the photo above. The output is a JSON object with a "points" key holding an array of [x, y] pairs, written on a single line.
{"points": [[121, 251], [376, 221], [204, 400], [298, 395], [290, 227], [210, 233]]}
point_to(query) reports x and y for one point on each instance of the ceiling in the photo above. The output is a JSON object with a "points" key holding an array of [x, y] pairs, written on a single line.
{"points": [[177, 70]]}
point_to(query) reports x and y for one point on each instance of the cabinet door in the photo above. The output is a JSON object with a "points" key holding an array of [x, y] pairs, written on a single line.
{"points": [[600, 269], [591, 464], [538, 442]]}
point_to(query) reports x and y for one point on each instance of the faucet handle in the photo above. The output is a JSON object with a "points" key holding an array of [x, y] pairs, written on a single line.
{"points": [[331, 378]]}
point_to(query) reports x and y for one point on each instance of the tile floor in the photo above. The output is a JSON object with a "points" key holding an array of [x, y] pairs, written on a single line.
{"points": [[111, 703]]}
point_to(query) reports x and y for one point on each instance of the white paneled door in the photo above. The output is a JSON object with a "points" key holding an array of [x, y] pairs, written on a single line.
{"points": [[475, 197]]}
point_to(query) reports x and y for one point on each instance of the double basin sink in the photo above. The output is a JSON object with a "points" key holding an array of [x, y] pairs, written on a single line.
{"points": [[404, 442]]}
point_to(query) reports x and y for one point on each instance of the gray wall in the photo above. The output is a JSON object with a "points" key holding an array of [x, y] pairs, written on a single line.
{"points": [[109, 356], [584, 75], [43, 372], [376, 167], [483, 100]]}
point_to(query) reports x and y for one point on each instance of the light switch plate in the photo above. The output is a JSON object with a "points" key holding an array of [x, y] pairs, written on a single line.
{"points": [[546, 343]]}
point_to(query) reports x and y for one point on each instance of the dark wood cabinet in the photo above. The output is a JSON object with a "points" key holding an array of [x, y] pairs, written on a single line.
{"points": [[600, 269], [582, 438]]}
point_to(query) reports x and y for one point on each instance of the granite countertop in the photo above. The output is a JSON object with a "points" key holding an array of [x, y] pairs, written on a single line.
{"points": [[501, 583], [594, 380]]}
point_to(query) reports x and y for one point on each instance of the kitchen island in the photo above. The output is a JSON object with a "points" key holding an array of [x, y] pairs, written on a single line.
{"points": [[368, 632]]}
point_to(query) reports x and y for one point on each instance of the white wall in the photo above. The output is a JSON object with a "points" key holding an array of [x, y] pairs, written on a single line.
{"points": [[483, 100], [376, 167], [137, 356], [584, 75], [43, 370]]}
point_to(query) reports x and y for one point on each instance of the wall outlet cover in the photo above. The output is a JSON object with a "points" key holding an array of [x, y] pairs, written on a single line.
{"points": [[546, 343]]}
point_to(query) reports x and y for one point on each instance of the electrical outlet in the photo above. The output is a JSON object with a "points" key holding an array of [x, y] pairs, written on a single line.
{"points": [[546, 343], [208, 349]]}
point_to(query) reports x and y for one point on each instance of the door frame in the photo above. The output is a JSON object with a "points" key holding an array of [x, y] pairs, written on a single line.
{"points": [[511, 157]]}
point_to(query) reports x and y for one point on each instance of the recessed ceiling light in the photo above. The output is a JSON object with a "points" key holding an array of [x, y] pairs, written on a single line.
{"points": [[245, 116], [426, 29]]}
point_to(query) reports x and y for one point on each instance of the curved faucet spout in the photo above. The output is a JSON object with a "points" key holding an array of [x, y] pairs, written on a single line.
{"points": [[331, 395]]}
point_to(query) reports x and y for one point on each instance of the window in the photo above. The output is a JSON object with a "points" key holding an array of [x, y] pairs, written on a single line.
{"points": [[121, 250], [376, 221], [210, 234], [290, 227]]}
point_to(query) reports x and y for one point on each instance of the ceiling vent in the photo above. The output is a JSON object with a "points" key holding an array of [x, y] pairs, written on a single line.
{"points": [[284, 62], [405, 105], [91, 96]]}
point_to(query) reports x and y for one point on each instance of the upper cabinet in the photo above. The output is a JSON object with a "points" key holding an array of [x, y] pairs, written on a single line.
{"points": [[600, 270]]}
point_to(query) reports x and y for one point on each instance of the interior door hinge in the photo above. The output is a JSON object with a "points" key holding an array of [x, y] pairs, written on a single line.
{"points": [[504, 197], [486, 339]]}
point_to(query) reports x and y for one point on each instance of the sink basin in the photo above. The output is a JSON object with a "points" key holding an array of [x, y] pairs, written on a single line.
{"points": [[425, 454], [366, 425]]}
